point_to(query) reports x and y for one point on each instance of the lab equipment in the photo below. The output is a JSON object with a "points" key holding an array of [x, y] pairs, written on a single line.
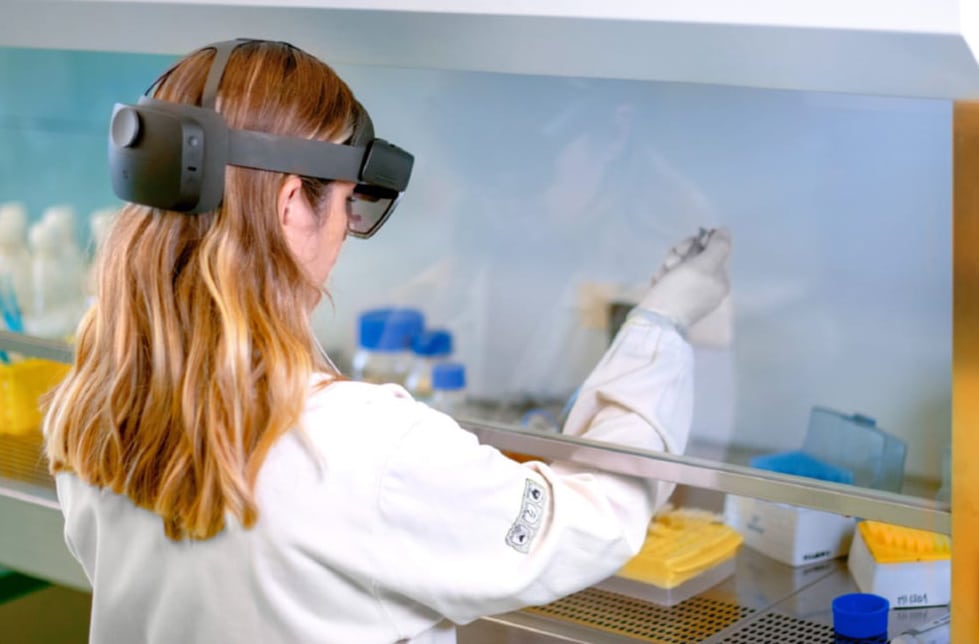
{"points": [[22, 383], [790, 534], [839, 448], [860, 618], [56, 282], [911, 568], [173, 155], [15, 256], [686, 551], [854, 442], [99, 224], [449, 387], [383, 352], [429, 348], [801, 464]]}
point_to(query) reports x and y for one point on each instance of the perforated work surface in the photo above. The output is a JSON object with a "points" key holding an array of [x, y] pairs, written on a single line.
{"points": [[774, 628], [689, 621]]}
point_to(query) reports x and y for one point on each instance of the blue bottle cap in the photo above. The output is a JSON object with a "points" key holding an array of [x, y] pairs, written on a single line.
{"points": [[449, 376], [432, 343], [860, 615], [389, 329]]}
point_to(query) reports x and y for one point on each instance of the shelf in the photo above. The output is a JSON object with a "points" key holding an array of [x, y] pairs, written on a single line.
{"points": [[36, 347], [915, 48]]}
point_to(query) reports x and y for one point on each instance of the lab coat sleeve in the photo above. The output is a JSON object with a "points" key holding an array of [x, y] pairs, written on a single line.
{"points": [[467, 532]]}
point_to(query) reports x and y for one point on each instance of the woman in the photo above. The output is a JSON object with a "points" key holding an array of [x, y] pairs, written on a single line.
{"points": [[220, 481]]}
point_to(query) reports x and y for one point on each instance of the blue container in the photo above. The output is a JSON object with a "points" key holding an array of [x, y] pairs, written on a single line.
{"points": [[389, 329], [860, 617], [433, 343], [449, 376], [801, 464]]}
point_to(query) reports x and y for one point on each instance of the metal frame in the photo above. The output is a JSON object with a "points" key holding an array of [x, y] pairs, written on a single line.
{"points": [[965, 372], [722, 477]]}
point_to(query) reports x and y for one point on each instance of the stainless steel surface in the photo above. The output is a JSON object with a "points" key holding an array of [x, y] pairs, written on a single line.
{"points": [[807, 616], [36, 347], [765, 602], [713, 475]]}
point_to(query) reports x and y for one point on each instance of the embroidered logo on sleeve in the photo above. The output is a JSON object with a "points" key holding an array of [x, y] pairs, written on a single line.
{"points": [[522, 532]]}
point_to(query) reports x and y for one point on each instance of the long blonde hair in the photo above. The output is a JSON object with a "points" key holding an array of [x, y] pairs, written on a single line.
{"points": [[197, 354]]}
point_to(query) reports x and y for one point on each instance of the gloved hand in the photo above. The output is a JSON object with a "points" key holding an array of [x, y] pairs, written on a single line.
{"points": [[693, 279]]}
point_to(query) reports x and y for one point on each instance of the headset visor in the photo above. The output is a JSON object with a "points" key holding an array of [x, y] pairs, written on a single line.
{"points": [[370, 207]]}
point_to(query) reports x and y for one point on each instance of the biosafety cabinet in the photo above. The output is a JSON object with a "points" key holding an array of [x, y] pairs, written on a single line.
{"points": [[561, 149]]}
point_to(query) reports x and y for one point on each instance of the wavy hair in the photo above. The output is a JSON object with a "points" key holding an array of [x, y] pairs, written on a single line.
{"points": [[197, 354]]}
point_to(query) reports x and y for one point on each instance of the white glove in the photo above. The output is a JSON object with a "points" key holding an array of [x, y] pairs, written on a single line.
{"points": [[693, 279]]}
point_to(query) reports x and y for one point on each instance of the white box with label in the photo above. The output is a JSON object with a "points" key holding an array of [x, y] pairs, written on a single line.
{"points": [[793, 535], [914, 584]]}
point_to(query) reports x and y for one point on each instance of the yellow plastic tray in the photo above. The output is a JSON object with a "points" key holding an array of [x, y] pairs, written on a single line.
{"points": [[21, 385]]}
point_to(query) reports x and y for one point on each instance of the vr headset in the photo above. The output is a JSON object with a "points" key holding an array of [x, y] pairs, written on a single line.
{"points": [[173, 155]]}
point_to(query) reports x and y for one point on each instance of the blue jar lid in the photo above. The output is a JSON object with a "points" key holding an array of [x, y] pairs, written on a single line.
{"points": [[389, 329], [449, 376], [432, 343], [860, 615]]}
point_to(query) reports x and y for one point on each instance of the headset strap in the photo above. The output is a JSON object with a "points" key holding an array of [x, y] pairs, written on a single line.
{"points": [[222, 51]]}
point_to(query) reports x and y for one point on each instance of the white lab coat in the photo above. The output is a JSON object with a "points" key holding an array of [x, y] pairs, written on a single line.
{"points": [[400, 525]]}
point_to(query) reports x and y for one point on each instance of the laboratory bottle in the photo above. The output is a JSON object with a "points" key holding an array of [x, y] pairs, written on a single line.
{"points": [[99, 223], [15, 262], [429, 348], [63, 223], [50, 296], [449, 387], [383, 352]]}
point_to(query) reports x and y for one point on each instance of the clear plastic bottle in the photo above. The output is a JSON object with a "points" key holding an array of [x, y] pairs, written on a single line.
{"points": [[63, 223], [449, 387], [15, 256], [99, 224], [429, 348], [47, 302], [383, 352]]}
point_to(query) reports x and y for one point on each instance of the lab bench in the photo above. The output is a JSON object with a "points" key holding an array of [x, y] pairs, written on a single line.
{"points": [[764, 602]]}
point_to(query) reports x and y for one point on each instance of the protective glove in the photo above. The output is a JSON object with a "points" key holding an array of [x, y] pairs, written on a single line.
{"points": [[693, 279]]}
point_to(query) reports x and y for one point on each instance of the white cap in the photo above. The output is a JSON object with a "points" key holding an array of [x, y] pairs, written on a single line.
{"points": [[13, 223], [99, 224], [44, 236], [62, 219]]}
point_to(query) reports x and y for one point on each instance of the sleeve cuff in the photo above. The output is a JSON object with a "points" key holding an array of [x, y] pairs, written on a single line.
{"points": [[656, 319]]}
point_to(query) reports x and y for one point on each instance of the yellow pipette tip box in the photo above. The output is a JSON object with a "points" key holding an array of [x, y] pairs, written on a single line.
{"points": [[22, 383], [686, 551], [910, 567]]}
